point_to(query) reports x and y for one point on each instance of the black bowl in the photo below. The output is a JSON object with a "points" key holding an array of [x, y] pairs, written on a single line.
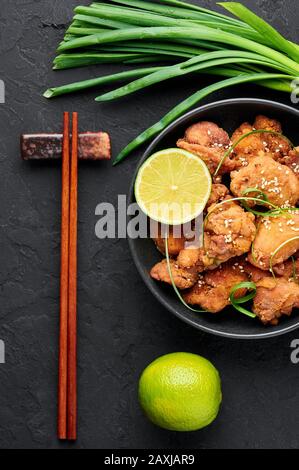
{"points": [[229, 114]]}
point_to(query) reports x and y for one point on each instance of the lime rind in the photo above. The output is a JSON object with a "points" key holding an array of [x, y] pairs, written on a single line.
{"points": [[199, 207]]}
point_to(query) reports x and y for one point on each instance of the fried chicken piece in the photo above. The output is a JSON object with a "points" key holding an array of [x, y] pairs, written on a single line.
{"points": [[275, 298], [263, 144], [191, 257], [210, 143], [288, 270], [229, 232], [218, 194], [183, 278], [213, 288], [276, 145], [263, 122], [176, 241], [277, 181], [273, 232], [249, 147], [255, 274], [291, 160]]}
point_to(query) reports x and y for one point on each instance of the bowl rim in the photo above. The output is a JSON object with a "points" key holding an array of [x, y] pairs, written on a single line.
{"points": [[138, 264]]}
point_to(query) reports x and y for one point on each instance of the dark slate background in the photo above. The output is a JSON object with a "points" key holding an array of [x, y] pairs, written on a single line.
{"points": [[122, 327]]}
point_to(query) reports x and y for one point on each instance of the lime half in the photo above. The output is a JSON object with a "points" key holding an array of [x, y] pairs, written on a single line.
{"points": [[173, 186]]}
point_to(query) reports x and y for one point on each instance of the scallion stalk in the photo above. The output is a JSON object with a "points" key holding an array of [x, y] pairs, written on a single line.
{"points": [[158, 31], [236, 303]]}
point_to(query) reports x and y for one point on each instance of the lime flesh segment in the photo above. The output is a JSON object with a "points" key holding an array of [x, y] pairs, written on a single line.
{"points": [[173, 186]]}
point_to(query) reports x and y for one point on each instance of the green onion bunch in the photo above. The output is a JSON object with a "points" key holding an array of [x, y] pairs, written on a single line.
{"points": [[169, 39]]}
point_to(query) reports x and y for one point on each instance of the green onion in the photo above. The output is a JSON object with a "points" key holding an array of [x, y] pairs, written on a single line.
{"points": [[95, 20], [75, 31], [180, 109], [155, 31], [147, 18], [182, 12], [164, 46], [257, 23], [94, 82], [246, 199], [67, 61], [147, 50], [236, 303], [278, 250], [276, 212], [264, 199], [149, 59], [295, 277], [254, 240], [211, 59], [135, 18], [244, 136], [173, 283], [168, 33]]}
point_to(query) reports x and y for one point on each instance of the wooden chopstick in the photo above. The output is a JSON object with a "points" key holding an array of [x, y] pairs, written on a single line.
{"points": [[72, 303], [64, 281]]}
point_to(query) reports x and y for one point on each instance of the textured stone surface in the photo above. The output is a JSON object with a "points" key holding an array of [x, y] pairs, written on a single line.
{"points": [[122, 328]]}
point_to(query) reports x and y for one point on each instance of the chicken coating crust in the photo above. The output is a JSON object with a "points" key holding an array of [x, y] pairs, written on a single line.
{"points": [[255, 274], [273, 232], [275, 298], [229, 232], [209, 142], [277, 181], [263, 144], [175, 243], [289, 269], [218, 194], [191, 257], [249, 147], [263, 122], [276, 145], [183, 278], [291, 160], [213, 288]]}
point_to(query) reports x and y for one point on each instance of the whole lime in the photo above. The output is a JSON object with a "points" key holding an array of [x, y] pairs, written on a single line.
{"points": [[180, 392]]}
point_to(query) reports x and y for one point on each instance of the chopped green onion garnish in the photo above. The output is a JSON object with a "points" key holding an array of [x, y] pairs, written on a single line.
{"points": [[278, 250], [236, 303], [295, 277], [244, 136], [242, 199], [173, 283]]}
